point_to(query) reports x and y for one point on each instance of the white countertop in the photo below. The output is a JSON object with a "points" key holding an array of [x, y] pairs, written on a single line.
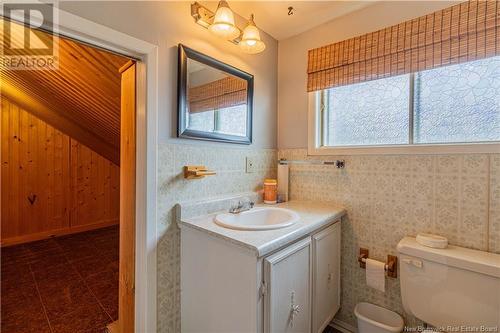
{"points": [[313, 216]]}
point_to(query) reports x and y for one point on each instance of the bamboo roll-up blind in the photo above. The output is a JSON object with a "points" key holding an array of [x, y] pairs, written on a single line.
{"points": [[464, 32], [227, 92]]}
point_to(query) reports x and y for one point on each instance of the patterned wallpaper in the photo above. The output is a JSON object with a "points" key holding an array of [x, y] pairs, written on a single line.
{"points": [[231, 178], [388, 197]]}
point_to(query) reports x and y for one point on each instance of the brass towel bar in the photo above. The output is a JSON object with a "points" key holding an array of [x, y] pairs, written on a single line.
{"points": [[197, 171]]}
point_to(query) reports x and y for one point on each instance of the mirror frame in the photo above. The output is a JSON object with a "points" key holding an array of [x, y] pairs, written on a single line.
{"points": [[186, 53]]}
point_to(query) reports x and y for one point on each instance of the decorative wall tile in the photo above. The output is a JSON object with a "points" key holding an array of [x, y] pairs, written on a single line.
{"points": [[495, 163], [400, 185], [447, 219], [494, 213], [476, 165], [381, 187], [422, 187], [389, 197], [401, 163], [401, 213], [447, 188], [448, 164], [382, 210], [495, 189], [362, 233], [494, 231], [421, 218], [381, 164], [422, 164], [474, 191], [473, 228]]}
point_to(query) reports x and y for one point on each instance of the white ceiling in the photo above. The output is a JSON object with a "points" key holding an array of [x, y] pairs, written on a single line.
{"points": [[273, 18]]}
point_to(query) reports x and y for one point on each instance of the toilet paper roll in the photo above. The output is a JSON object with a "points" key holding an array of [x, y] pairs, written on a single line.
{"points": [[375, 274]]}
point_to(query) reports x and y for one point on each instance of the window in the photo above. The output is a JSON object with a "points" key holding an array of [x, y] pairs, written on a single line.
{"points": [[448, 105], [459, 103], [368, 113]]}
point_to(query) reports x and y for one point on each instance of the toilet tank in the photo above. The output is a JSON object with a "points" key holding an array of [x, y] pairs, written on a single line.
{"points": [[450, 288]]}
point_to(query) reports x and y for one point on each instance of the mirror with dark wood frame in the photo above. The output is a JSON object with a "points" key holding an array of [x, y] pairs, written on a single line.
{"points": [[214, 99]]}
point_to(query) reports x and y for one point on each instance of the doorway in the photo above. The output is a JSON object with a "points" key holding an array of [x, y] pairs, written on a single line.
{"points": [[68, 195]]}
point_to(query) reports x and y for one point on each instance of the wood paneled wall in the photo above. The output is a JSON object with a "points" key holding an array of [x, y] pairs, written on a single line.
{"points": [[50, 183], [35, 175], [96, 186]]}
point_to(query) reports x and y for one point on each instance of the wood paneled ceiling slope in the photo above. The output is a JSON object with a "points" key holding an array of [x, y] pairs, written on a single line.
{"points": [[81, 98]]}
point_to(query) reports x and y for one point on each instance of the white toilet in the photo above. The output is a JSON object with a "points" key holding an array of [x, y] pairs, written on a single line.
{"points": [[450, 288], [453, 289]]}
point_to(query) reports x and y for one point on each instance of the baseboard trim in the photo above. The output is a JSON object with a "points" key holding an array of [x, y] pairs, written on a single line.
{"points": [[343, 326], [55, 233]]}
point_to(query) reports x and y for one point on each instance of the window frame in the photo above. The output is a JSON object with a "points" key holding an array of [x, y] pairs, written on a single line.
{"points": [[316, 136]]}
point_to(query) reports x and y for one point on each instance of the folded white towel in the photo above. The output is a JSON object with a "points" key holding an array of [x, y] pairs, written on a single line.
{"points": [[375, 274]]}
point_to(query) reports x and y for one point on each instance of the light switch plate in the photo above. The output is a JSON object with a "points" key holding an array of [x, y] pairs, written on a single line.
{"points": [[250, 164]]}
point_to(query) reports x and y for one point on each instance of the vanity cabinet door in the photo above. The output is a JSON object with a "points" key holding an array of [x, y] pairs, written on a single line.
{"points": [[326, 276], [287, 302]]}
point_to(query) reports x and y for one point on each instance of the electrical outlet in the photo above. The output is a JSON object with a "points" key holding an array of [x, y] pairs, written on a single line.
{"points": [[250, 164]]}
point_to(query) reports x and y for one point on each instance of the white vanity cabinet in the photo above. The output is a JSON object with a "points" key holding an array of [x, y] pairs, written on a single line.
{"points": [[287, 279], [326, 276], [226, 287]]}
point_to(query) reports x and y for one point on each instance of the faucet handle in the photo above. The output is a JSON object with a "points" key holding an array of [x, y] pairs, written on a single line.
{"points": [[247, 203], [234, 205]]}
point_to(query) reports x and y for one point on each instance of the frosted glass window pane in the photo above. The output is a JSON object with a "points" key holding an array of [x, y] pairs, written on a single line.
{"points": [[202, 121], [458, 103], [369, 113], [233, 120]]}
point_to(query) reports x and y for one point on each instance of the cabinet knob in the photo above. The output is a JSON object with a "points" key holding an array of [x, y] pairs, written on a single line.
{"points": [[294, 309]]}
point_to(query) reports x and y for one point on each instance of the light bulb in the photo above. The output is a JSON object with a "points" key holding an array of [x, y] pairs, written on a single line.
{"points": [[223, 25], [250, 41]]}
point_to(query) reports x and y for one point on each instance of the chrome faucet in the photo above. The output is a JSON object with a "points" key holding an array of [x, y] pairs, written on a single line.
{"points": [[241, 206]]}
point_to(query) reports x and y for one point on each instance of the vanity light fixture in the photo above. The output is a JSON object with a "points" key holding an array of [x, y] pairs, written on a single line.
{"points": [[221, 23], [250, 41]]}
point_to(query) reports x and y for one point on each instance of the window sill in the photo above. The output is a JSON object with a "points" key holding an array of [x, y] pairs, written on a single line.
{"points": [[470, 148]]}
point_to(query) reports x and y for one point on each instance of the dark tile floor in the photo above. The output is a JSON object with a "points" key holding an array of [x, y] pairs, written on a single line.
{"points": [[66, 284]]}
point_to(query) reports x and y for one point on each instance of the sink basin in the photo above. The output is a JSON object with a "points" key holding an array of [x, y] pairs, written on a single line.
{"points": [[260, 218]]}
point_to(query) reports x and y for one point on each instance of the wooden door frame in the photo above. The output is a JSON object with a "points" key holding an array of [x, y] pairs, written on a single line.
{"points": [[94, 34]]}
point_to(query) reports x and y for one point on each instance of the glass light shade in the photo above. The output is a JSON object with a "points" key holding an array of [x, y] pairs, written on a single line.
{"points": [[250, 41], [223, 25]]}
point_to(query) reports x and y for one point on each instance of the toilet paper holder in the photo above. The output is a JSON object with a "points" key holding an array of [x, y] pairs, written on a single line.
{"points": [[391, 265]]}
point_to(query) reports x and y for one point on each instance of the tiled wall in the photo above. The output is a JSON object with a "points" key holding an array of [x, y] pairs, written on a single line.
{"points": [[388, 197], [230, 165]]}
